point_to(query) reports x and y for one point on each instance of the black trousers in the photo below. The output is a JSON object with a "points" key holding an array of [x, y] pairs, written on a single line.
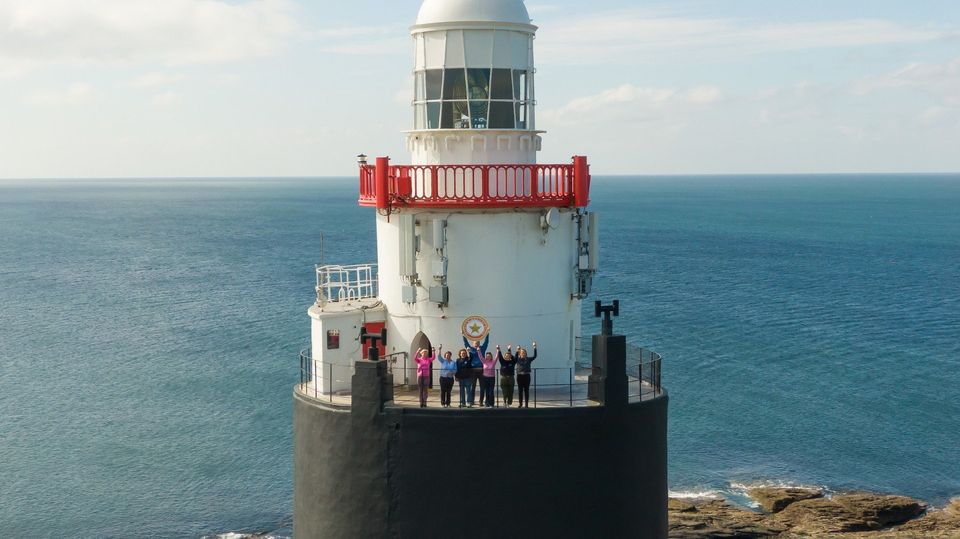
{"points": [[446, 388], [523, 380]]}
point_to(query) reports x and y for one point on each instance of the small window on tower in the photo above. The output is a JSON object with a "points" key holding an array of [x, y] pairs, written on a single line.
{"points": [[333, 339]]}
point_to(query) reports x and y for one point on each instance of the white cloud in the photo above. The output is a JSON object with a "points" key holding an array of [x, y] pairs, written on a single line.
{"points": [[167, 32], [704, 95], [166, 99], [154, 79], [77, 93], [634, 36], [630, 101], [365, 40], [941, 80]]}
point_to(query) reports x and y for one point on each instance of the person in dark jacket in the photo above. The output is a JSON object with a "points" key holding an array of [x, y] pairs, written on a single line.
{"points": [[465, 377], [476, 351], [508, 366], [523, 374]]}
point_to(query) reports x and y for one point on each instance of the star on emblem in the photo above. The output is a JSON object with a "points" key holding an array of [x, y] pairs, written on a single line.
{"points": [[475, 328]]}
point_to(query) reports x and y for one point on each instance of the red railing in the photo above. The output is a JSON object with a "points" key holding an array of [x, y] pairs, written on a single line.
{"points": [[384, 186]]}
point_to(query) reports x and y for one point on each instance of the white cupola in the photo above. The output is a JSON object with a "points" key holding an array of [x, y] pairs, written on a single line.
{"points": [[473, 83]]}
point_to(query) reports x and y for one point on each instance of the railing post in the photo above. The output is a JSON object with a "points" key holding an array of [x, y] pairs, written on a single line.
{"points": [[434, 184], [382, 182], [534, 182], [485, 174], [581, 182], [571, 387], [534, 389]]}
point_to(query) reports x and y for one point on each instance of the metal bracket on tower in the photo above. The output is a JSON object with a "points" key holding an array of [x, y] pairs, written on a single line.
{"points": [[607, 311], [373, 353]]}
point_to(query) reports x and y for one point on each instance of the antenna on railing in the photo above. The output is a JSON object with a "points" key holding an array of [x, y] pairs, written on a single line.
{"points": [[321, 249], [612, 310], [373, 353]]}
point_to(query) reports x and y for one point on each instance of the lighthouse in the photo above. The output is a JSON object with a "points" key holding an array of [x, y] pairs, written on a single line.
{"points": [[478, 245]]}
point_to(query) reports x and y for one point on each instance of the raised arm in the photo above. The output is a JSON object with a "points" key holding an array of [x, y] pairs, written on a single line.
{"points": [[483, 347], [534, 356]]}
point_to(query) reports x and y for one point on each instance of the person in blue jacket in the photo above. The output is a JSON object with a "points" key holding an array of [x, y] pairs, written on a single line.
{"points": [[477, 352]]}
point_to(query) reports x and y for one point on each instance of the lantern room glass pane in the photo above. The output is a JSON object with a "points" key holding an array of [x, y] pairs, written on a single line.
{"points": [[520, 85], [501, 115], [501, 85], [419, 87], [478, 114], [521, 116], [434, 83], [479, 83], [455, 115], [433, 115], [454, 84], [454, 57], [419, 116]]}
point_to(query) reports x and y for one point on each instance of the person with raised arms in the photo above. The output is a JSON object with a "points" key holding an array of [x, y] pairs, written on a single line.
{"points": [[523, 374], [424, 362], [448, 370], [508, 365]]}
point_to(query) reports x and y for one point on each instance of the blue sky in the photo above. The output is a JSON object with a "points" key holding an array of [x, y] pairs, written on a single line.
{"points": [[144, 88]]}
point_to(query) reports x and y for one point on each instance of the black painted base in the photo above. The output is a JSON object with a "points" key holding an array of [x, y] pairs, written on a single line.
{"points": [[413, 473]]}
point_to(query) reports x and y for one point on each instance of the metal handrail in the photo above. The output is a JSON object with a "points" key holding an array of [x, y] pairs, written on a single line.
{"points": [[644, 373], [337, 283], [572, 389], [487, 186]]}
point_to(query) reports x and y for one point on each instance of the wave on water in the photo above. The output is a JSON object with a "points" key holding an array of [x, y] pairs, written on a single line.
{"points": [[736, 493], [695, 494]]}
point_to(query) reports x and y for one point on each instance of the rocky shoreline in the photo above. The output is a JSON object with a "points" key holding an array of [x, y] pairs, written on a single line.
{"points": [[795, 513]]}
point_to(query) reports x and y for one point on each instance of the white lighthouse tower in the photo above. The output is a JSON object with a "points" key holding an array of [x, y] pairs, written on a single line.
{"points": [[474, 239]]}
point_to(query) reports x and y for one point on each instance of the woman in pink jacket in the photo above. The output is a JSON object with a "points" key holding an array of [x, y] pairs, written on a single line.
{"points": [[488, 380], [424, 362]]}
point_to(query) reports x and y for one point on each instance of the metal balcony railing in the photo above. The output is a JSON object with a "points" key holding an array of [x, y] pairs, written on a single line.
{"points": [[386, 186], [549, 387], [346, 283]]}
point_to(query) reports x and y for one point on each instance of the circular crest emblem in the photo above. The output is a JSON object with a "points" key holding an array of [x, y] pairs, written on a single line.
{"points": [[475, 328]]}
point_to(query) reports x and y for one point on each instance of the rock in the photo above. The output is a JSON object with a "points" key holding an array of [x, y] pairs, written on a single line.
{"points": [[881, 511], [849, 513], [774, 500], [939, 523], [848, 516], [680, 506], [716, 519]]}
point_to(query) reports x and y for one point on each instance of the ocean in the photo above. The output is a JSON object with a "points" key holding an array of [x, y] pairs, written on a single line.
{"points": [[149, 332]]}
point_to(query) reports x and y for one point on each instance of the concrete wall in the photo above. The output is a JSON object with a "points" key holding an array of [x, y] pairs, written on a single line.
{"points": [[412, 473], [502, 266]]}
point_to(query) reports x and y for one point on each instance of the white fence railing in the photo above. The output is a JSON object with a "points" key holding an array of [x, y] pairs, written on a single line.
{"points": [[346, 283]]}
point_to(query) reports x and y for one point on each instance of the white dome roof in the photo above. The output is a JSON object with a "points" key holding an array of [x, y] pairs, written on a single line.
{"points": [[443, 11]]}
